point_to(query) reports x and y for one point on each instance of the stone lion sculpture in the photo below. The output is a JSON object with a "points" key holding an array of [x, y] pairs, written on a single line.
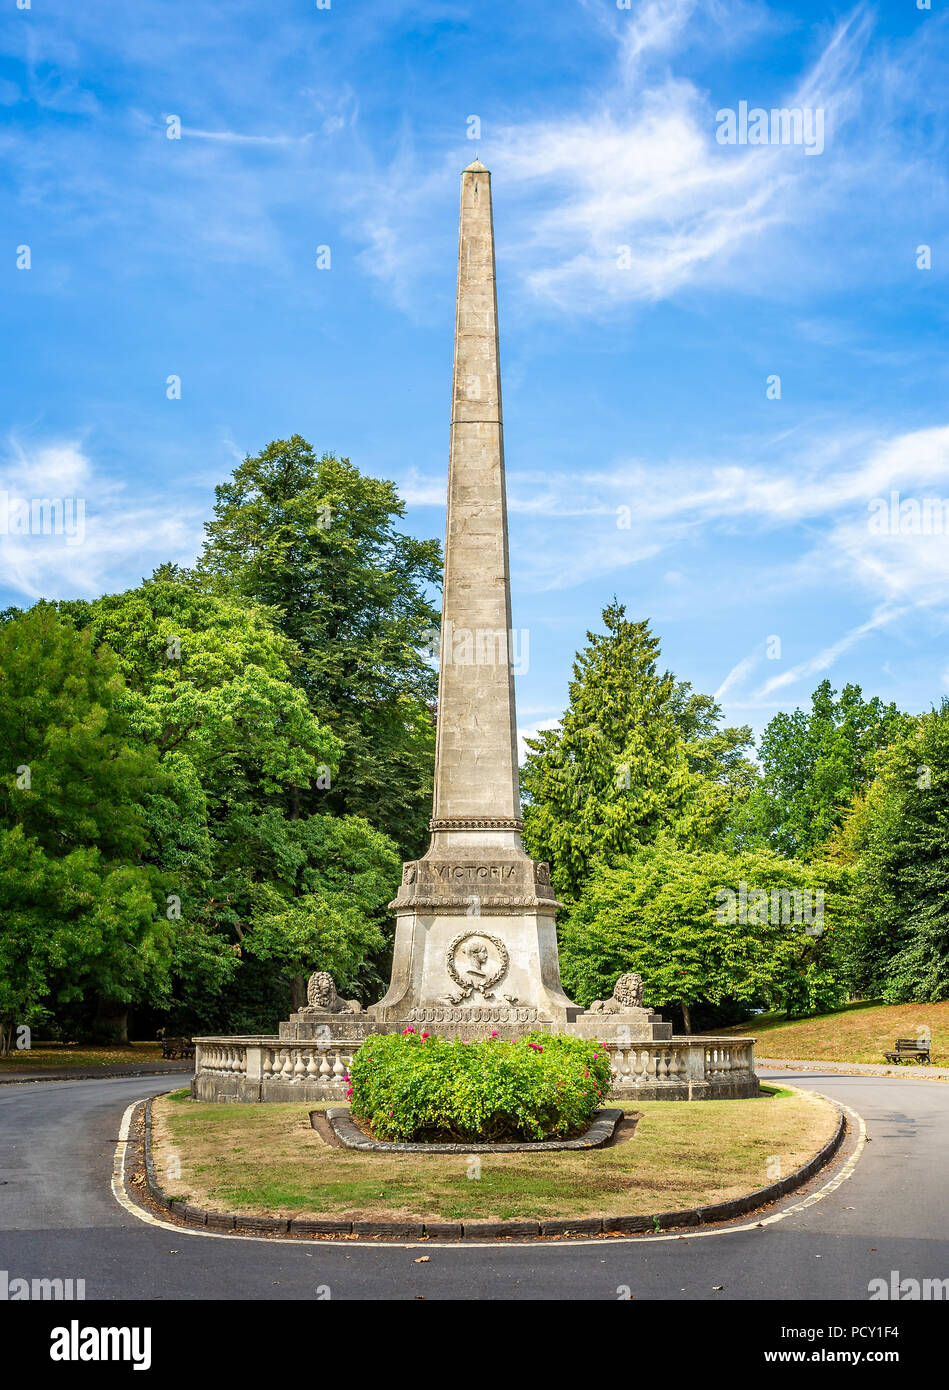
{"points": [[322, 998], [627, 994]]}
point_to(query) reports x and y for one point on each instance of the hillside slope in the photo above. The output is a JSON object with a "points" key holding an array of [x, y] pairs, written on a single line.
{"points": [[858, 1033]]}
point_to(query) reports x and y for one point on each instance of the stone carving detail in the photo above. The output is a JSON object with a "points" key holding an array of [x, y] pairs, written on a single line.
{"points": [[497, 907], [322, 997], [467, 962], [483, 823], [495, 1013], [627, 994]]}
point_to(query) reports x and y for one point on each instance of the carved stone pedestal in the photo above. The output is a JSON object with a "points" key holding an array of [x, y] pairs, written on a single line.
{"points": [[476, 943]]}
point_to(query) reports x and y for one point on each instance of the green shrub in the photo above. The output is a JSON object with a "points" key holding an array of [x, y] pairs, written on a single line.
{"points": [[411, 1086]]}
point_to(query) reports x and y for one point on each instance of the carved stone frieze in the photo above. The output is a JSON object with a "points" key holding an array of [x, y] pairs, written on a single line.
{"points": [[475, 885], [496, 1013], [480, 823]]}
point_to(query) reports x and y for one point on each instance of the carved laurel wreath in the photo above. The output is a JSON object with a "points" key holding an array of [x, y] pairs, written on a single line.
{"points": [[466, 986]]}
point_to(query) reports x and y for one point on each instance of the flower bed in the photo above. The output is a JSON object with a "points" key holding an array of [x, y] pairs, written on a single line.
{"points": [[420, 1087]]}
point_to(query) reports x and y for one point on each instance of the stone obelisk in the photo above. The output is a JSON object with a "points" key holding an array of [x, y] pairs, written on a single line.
{"points": [[476, 945]]}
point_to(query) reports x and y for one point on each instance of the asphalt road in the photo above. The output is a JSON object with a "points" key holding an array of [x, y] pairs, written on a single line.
{"points": [[58, 1219]]}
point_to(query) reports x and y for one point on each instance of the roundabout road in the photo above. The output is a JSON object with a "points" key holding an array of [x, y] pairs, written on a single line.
{"points": [[59, 1219]]}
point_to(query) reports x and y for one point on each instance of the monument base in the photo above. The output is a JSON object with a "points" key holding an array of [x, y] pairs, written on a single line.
{"points": [[473, 976], [261, 1069]]}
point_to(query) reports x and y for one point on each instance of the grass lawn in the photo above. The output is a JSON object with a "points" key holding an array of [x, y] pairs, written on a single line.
{"points": [[81, 1055], [858, 1033], [267, 1160]]}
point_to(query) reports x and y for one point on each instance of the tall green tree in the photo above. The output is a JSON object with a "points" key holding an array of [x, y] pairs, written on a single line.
{"points": [[317, 543], [81, 913], [210, 685], [636, 754], [899, 836], [706, 927], [814, 762]]}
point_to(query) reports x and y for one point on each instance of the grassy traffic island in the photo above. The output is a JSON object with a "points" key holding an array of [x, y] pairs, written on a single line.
{"points": [[268, 1160]]}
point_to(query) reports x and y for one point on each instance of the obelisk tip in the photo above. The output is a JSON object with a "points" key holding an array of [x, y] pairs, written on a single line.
{"points": [[476, 168]]}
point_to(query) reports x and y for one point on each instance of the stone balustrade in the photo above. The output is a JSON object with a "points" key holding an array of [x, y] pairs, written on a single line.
{"points": [[274, 1069]]}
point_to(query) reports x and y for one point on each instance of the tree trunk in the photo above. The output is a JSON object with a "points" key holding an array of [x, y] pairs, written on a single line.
{"points": [[110, 1024], [298, 991], [686, 1017]]}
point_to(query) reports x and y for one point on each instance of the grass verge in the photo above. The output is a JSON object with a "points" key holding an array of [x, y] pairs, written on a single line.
{"points": [[859, 1033], [267, 1160], [82, 1055]]}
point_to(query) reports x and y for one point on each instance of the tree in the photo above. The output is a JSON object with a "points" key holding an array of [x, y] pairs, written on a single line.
{"points": [[813, 764], [329, 906], [900, 836], [705, 927], [713, 752], [315, 542], [78, 907], [635, 755], [210, 685]]}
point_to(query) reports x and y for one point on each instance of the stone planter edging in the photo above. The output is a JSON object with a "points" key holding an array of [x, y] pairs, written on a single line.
{"points": [[349, 1134], [278, 1226]]}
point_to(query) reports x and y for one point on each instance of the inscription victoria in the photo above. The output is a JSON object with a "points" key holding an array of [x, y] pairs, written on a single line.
{"points": [[441, 871]]}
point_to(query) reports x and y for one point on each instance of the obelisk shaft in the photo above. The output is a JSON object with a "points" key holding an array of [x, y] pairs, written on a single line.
{"points": [[475, 946], [476, 779]]}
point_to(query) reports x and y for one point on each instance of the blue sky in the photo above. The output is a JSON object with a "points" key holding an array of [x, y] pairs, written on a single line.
{"points": [[651, 280]]}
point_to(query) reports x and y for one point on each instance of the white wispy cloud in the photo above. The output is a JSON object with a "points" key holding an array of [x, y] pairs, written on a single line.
{"points": [[235, 137], [738, 673], [626, 513], [626, 196], [828, 656], [121, 537], [640, 198]]}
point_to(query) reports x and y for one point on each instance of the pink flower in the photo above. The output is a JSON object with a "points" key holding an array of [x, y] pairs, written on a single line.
{"points": [[536, 1046], [494, 1035], [407, 1030]]}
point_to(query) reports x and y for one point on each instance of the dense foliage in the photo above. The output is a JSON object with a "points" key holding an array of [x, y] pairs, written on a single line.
{"points": [[666, 913], [636, 755], [813, 763], [896, 838], [650, 812], [419, 1087], [79, 903], [315, 542], [176, 832]]}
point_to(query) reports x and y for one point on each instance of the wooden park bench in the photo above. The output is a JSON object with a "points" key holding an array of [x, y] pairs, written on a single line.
{"points": [[176, 1047], [907, 1048]]}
